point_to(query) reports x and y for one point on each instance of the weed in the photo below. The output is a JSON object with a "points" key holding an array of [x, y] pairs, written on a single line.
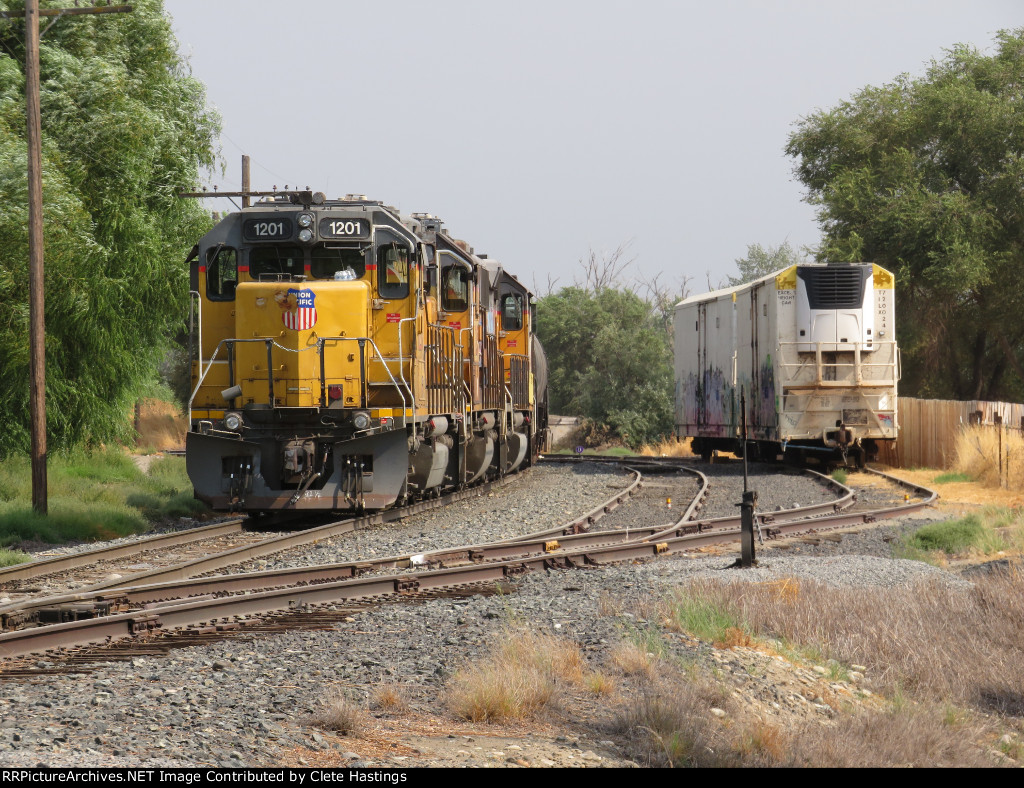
{"points": [[341, 715], [668, 447], [762, 743], [599, 683], [991, 531], [520, 677], [915, 639], [389, 697], [951, 477], [992, 456], [950, 537], [671, 724], [634, 660], [705, 619], [839, 475], [907, 735], [13, 557]]}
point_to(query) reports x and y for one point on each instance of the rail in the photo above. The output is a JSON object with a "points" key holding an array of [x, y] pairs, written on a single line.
{"points": [[590, 550]]}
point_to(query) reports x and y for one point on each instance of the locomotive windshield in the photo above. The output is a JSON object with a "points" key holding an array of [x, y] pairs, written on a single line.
{"points": [[455, 291], [221, 273], [275, 261], [393, 271], [512, 311], [336, 263]]}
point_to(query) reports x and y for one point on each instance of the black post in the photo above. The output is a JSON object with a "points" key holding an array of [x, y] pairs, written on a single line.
{"points": [[747, 557]]}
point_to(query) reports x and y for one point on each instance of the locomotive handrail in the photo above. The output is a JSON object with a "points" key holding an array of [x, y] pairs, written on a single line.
{"points": [[510, 406], [362, 368], [448, 367], [193, 297], [271, 343], [401, 366]]}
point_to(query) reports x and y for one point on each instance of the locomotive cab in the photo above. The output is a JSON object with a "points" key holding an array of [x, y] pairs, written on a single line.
{"points": [[329, 372]]}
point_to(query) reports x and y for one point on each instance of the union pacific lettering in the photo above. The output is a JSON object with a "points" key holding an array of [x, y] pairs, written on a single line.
{"points": [[303, 317]]}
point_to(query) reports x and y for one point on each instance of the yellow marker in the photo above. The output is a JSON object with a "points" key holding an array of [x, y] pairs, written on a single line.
{"points": [[669, 502]]}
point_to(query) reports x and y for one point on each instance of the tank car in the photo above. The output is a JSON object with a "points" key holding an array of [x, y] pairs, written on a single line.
{"points": [[347, 357], [812, 348]]}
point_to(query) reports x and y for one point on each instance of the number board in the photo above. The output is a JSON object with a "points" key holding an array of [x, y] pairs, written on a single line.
{"points": [[268, 229], [337, 227]]}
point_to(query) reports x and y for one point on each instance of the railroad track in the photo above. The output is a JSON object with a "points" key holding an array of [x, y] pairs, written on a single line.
{"points": [[210, 604]]}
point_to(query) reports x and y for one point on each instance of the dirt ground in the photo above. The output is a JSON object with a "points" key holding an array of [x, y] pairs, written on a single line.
{"points": [[956, 497]]}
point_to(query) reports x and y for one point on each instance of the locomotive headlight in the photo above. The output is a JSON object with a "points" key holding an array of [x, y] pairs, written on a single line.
{"points": [[361, 420], [306, 235], [232, 421], [305, 220]]}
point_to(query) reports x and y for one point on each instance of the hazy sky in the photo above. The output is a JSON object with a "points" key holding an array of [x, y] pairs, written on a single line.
{"points": [[541, 130]]}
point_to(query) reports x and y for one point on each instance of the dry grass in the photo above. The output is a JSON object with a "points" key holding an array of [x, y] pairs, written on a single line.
{"points": [[161, 426], [959, 645], [341, 715], [761, 743], [921, 644], [671, 724], [978, 452], [599, 683], [912, 735], [668, 447], [633, 659], [521, 676], [389, 698]]}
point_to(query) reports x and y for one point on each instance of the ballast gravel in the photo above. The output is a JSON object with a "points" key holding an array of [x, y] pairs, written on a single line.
{"points": [[247, 700]]}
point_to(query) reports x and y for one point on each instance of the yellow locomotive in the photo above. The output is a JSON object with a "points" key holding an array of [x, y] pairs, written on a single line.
{"points": [[348, 357]]}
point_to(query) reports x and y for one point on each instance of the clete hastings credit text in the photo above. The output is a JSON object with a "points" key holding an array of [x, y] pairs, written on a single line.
{"points": [[191, 776]]}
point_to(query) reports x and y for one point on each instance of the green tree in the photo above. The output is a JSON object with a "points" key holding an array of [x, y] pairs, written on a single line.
{"points": [[608, 361], [925, 176], [761, 262], [125, 128]]}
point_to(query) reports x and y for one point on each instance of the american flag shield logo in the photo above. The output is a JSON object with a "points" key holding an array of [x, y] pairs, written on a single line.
{"points": [[303, 316]]}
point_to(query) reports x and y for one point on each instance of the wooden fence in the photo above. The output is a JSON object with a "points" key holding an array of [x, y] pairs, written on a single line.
{"points": [[928, 429]]}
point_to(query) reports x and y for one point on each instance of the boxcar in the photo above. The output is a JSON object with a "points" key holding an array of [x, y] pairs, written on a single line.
{"points": [[810, 349]]}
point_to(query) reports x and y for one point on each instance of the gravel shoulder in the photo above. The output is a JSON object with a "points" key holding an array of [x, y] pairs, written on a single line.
{"points": [[253, 700]]}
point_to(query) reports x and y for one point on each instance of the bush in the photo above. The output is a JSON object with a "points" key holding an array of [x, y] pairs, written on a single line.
{"points": [[950, 537], [519, 678], [340, 715]]}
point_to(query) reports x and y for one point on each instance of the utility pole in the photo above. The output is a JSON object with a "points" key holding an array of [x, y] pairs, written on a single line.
{"points": [[36, 300], [245, 181], [37, 324]]}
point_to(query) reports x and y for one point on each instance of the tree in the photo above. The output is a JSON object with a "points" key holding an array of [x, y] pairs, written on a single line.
{"points": [[608, 360], [125, 128], [925, 176], [761, 262]]}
